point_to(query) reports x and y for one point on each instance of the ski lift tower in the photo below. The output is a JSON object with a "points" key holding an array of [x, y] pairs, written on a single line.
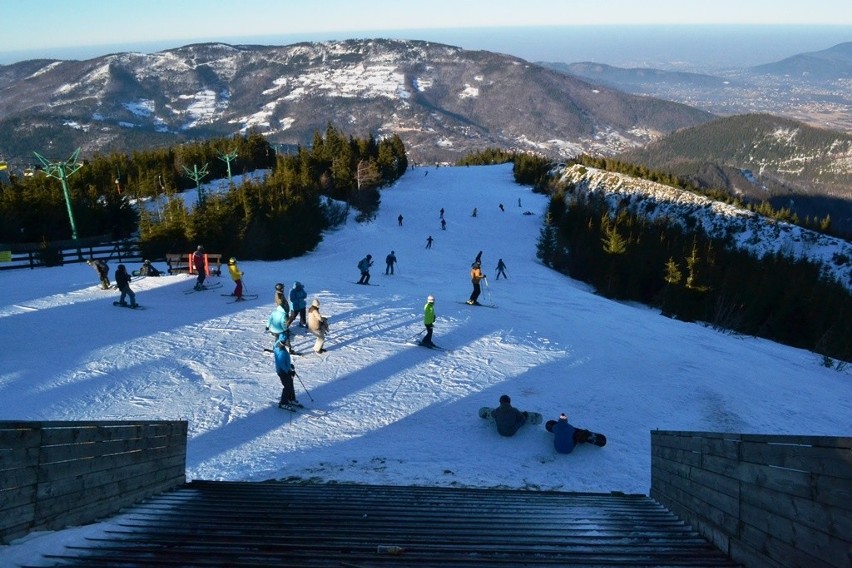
{"points": [[61, 171], [228, 158], [197, 175]]}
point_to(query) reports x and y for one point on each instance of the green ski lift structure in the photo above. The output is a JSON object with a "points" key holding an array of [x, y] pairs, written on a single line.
{"points": [[61, 171], [197, 175], [228, 158]]}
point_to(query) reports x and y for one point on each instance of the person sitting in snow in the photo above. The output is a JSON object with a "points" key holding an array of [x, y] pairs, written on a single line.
{"points": [[566, 436], [318, 325], [508, 418], [102, 269], [148, 269], [122, 281], [286, 371]]}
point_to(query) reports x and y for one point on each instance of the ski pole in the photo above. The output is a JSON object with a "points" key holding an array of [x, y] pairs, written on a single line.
{"points": [[416, 335], [303, 386], [488, 289]]}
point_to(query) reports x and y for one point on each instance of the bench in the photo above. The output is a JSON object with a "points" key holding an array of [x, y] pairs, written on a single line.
{"points": [[182, 263]]}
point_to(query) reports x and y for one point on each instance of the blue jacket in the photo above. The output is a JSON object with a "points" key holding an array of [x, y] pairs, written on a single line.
{"points": [[277, 320], [297, 297], [563, 437], [282, 358]]}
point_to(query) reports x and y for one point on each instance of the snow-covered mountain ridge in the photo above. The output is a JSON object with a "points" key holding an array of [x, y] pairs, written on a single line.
{"points": [[444, 101], [749, 231]]}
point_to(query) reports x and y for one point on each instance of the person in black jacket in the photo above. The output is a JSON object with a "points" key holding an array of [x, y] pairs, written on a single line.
{"points": [[508, 418], [122, 281]]}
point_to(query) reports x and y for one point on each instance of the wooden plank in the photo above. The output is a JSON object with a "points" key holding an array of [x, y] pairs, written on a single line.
{"points": [[804, 512], [19, 436], [778, 551], [12, 459], [800, 457], [87, 466]]}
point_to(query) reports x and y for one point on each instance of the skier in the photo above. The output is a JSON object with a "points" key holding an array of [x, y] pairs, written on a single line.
{"points": [[122, 281], [277, 325], [285, 370], [297, 304], [364, 266], [399, 219], [102, 269], [281, 299], [428, 321], [566, 436], [429, 242], [237, 277], [501, 269], [501, 208], [442, 213], [198, 263], [475, 276], [508, 418], [318, 325], [443, 225], [148, 269], [390, 260], [474, 212]]}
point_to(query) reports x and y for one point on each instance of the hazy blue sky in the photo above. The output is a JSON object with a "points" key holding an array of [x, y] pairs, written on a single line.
{"points": [[43, 28]]}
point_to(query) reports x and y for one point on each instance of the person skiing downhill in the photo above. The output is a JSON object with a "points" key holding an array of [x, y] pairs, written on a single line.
{"points": [[237, 277], [390, 260], [475, 276], [501, 269], [122, 281], [297, 304], [285, 371], [102, 269], [200, 269], [428, 321], [364, 266]]}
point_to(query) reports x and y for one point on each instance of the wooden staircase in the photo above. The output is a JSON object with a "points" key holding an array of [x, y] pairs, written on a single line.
{"points": [[302, 525]]}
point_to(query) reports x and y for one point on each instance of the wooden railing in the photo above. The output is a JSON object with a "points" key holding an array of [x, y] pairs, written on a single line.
{"points": [[56, 474], [766, 501], [68, 252]]}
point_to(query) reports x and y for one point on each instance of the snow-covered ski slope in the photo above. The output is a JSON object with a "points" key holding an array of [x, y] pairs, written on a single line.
{"points": [[397, 413]]}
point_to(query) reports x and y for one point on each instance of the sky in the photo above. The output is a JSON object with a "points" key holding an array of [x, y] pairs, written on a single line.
{"points": [[383, 410], [51, 24]]}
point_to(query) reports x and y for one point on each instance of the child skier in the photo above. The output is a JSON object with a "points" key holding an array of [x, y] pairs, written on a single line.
{"points": [[237, 277]]}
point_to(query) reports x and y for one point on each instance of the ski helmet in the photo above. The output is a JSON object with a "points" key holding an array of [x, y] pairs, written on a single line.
{"points": [[430, 299], [232, 260], [279, 287]]}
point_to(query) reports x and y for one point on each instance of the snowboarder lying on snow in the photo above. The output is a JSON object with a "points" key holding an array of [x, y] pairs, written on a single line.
{"points": [[566, 436], [508, 418], [148, 269]]}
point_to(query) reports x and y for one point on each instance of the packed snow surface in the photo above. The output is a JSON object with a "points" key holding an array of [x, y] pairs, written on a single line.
{"points": [[394, 412]]}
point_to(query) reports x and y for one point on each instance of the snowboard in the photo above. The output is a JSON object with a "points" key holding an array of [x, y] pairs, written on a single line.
{"points": [[595, 438], [136, 307], [532, 417]]}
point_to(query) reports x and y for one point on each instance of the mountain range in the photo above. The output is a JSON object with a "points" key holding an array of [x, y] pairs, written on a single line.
{"points": [[444, 101]]}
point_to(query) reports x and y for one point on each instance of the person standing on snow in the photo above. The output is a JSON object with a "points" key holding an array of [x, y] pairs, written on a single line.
{"points": [[508, 418], [102, 269], [399, 219], [281, 299], [364, 266], [318, 325], [475, 276], [200, 268], [285, 370], [122, 281], [237, 277], [297, 304], [429, 242], [390, 260], [428, 321], [501, 269], [277, 325]]}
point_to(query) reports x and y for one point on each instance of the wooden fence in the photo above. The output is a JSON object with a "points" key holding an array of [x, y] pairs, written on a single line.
{"points": [[68, 252], [56, 474], [767, 501]]}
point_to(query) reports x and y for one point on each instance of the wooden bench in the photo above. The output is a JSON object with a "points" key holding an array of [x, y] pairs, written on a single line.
{"points": [[182, 263]]}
